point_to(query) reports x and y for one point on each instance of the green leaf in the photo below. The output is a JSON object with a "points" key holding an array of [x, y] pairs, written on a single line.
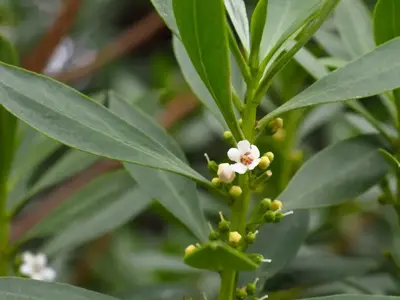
{"points": [[219, 256], [287, 238], [354, 297], [8, 54], [354, 23], [386, 20], [358, 79], [193, 79], [70, 164], [390, 159], [165, 10], [237, 12], [176, 193], [66, 115], [258, 20], [203, 31], [336, 174], [24, 289], [284, 18]]}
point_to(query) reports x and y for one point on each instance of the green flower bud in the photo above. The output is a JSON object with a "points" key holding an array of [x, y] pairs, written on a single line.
{"points": [[214, 236], [224, 226], [241, 294], [270, 155], [279, 136], [276, 205], [257, 258], [251, 237], [251, 289], [216, 182], [278, 217], [269, 217], [240, 122], [235, 191], [275, 125], [212, 166], [228, 135], [265, 204]]}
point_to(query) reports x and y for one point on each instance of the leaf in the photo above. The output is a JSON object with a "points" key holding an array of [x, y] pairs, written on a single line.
{"points": [[336, 174], [237, 12], [390, 159], [354, 297], [70, 164], [65, 115], [24, 289], [386, 21], [353, 20], [219, 256], [193, 79], [332, 44], [8, 54], [86, 202], [284, 18], [358, 79], [287, 238], [203, 31], [176, 193], [165, 10]]}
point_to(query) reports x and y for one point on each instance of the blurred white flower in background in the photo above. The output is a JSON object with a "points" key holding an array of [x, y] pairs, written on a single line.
{"points": [[35, 267]]}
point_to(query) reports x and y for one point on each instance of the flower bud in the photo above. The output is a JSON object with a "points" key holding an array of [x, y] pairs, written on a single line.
{"points": [[279, 136], [215, 182], [241, 123], [257, 258], [234, 238], [235, 191], [251, 237], [214, 236], [241, 294], [224, 226], [225, 173], [264, 162], [278, 217], [190, 249], [228, 135], [265, 204], [276, 205], [275, 125], [269, 217], [270, 155], [212, 166], [251, 289]]}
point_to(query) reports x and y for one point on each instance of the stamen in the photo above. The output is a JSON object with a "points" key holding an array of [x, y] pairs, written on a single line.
{"points": [[267, 260], [207, 157], [290, 212], [263, 298]]}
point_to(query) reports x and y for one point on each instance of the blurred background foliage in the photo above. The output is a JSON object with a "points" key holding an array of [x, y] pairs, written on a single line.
{"points": [[137, 254]]}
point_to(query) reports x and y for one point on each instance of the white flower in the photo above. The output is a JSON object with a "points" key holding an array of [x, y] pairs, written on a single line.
{"points": [[35, 267], [226, 173], [246, 156]]}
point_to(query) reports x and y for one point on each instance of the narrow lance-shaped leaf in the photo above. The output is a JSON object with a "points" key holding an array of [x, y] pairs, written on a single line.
{"points": [[371, 74], [176, 193], [203, 31], [386, 20], [237, 12], [336, 174], [66, 115], [164, 8], [23, 289]]}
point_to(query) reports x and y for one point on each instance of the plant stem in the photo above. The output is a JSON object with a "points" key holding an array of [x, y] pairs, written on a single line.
{"points": [[4, 229], [244, 68], [228, 285]]}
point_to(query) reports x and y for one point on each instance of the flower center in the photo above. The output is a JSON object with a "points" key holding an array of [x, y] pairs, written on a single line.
{"points": [[246, 159], [37, 268]]}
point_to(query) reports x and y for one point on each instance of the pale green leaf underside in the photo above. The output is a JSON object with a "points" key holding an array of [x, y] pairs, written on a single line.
{"points": [[237, 12], [336, 174], [166, 12], [371, 74], [26, 289], [66, 115]]}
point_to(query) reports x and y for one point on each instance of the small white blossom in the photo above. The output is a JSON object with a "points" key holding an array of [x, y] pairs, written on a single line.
{"points": [[226, 173], [35, 267], [246, 156]]}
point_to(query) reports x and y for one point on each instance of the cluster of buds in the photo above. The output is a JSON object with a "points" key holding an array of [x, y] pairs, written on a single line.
{"points": [[249, 291]]}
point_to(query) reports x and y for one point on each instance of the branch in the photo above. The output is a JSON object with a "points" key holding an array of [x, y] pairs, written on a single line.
{"points": [[39, 57]]}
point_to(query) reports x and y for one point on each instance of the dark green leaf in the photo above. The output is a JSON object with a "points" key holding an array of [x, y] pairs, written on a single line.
{"points": [[237, 12], [203, 31], [219, 256], [280, 243], [24, 289], [338, 173], [66, 115], [358, 79], [176, 193], [386, 20]]}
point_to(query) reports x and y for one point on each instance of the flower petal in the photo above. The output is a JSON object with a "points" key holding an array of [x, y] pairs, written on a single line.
{"points": [[37, 276], [244, 146], [26, 269], [255, 153], [28, 257], [239, 168], [234, 154], [41, 260], [49, 274], [254, 163]]}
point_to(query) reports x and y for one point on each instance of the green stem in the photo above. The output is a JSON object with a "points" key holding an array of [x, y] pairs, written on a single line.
{"points": [[244, 68], [4, 229], [228, 285]]}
